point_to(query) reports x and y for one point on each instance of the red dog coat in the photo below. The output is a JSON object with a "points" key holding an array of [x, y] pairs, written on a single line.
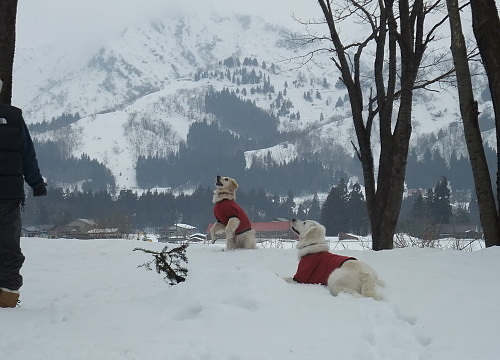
{"points": [[315, 268], [227, 209]]}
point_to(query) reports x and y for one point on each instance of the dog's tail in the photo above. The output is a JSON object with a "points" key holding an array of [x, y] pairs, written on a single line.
{"points": [[368, 285]]}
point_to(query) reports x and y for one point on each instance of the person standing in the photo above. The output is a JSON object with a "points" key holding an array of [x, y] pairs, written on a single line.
{"points": [[18, 164]]}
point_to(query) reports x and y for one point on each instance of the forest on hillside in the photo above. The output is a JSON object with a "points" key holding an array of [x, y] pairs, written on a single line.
{"points": [[343, 210], [85, 188], [217, 146]]}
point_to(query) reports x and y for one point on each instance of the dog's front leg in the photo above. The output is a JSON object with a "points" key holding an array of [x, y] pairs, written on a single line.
{"points": [[231, 227], [216, 228]]}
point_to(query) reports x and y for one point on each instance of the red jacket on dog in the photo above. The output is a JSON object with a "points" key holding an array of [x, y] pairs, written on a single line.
{"points": [[315, 268], [227, 209]]}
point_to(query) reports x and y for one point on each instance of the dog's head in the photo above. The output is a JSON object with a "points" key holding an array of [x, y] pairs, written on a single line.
{"points": [[310, 232], [225, 189], [226, 183]]}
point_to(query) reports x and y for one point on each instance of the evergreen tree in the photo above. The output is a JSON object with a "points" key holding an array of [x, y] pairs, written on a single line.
{"points": [[339, 84], [474, 210], [462, 216], [442, 207], [314, 212], [334, 211], [425, 169], [288, 206], [419, 207], [439, 164], [301, 212], [412, 171], [418, 221], [357, 212], [429, 202]]}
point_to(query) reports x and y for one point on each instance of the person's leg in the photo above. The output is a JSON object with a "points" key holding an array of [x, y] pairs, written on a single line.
{"points": [[11, 256], [8, 298]]}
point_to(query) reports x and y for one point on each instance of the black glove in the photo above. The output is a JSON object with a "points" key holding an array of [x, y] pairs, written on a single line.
{"points": [[40, 191]]}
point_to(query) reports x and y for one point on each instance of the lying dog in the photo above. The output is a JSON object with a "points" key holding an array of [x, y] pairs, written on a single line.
{"points": [[231, 218], [317, 265]]}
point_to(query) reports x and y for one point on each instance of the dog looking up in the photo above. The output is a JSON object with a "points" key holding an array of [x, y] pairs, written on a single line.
{"points": [[317, 265], [231, 218]]}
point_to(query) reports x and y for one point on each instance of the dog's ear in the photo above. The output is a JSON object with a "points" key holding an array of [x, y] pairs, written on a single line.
{"points": [[233, 185], [315, 231]]}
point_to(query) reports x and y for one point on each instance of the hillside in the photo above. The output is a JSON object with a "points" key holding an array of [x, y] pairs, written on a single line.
{"points": [[138, 95]]}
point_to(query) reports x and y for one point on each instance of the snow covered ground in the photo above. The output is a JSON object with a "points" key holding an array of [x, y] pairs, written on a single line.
{"points": [[89, 300]]}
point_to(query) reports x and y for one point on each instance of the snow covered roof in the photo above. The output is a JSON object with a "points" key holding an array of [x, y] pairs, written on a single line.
{"points": [[185, 226]]}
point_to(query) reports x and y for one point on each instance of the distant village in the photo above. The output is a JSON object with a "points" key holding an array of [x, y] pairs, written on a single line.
{"points": [[276, 229], [177, 233]]}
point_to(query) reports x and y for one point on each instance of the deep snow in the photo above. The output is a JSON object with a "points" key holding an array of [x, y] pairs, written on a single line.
{"points": [[89, 300]]}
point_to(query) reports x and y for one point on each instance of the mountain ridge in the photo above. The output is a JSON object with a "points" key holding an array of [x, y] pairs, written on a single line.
{"points": [[139, 95]]}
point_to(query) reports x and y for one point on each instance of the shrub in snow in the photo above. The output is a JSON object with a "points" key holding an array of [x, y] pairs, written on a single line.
{"points": [[168, 262]]}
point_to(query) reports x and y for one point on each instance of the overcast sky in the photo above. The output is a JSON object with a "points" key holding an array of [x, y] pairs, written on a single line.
{"points": [[92, 22], [42, 21]]}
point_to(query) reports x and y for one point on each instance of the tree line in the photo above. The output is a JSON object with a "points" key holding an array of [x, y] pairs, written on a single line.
{"points": [[344, 209], [211, 150], [243, 116], [55, 123], [131, 211], [63, 169], [425, 209]]}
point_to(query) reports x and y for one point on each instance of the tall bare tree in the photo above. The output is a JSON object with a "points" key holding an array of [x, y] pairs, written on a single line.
{"points": [[399, 39], [8, 11], [488, 212], [486, 26]]}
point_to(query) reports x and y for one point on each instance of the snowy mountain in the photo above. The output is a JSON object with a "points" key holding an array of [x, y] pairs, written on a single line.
{"points": [[138, 94]]}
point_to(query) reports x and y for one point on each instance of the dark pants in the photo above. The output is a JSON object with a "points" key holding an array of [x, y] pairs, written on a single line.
{"points": [[11, 256]]}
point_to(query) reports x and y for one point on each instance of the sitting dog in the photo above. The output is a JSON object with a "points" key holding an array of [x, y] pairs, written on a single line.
{"points": [[317, 265], [231, 218]]}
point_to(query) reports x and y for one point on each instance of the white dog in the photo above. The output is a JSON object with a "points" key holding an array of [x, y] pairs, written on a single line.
{"points": [[231, 218], [317, 265]]}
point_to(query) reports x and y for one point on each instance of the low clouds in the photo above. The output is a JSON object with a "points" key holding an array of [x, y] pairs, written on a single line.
{"points": [[87, 22]]}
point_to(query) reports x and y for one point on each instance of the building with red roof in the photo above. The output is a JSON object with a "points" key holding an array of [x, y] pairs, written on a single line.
{"points": [[275, 229]]}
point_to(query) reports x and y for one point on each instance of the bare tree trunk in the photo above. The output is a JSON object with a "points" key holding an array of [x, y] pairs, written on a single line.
{"points": [[486, 26], [390, 30], [468, 109], [8, 11]]}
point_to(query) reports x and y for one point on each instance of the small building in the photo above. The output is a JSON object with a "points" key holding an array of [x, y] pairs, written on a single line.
{"points": [[177, 233], [105, 233], [275, 229], [76, 229], [44, 231], [198, 237], [457, 231]]}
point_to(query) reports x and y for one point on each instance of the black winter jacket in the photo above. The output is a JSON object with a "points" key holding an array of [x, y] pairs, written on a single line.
{"points": [[18, 161]]}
